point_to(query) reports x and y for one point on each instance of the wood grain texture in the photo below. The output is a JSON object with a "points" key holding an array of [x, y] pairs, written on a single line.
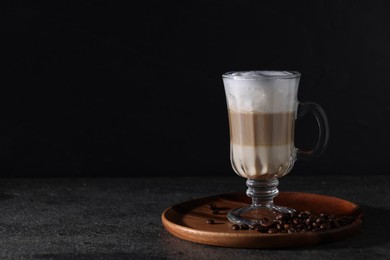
{"points": [[188, 221]]}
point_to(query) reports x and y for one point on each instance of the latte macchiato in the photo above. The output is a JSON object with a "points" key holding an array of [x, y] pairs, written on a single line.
{"points": [[262, 108]]}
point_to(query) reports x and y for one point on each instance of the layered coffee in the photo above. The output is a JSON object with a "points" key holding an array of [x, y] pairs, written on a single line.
{"points": [[261, 119], [262, 144]]}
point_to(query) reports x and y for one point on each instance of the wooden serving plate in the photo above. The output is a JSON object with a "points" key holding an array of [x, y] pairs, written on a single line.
{"points": [[188, 221]]}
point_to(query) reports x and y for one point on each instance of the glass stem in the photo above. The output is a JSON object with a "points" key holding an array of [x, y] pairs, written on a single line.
{"points": [[262, 192]]}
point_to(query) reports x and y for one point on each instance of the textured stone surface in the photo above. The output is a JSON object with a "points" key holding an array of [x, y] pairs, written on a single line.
{"points": [[120, 218]]}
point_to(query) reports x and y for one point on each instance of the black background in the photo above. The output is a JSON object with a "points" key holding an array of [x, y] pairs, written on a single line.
{"points": [[99, 88]]}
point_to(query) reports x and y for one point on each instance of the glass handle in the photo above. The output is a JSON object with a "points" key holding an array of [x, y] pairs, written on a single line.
{"points": [[323, 129]]}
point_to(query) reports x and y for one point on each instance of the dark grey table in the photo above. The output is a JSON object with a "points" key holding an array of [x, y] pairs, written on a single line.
{"points": [[120, 218]]}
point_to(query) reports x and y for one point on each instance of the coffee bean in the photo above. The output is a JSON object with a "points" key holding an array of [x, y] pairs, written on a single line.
{"points": [[262, 229], [278, 221], [210, 221], [212, 206], [320, 220], [244, 227], [266, 223], [253, 227], [302, 215], [273, 230], [325, 226], [294, 214], [235, 227], [297, 220], [308, 221], [279, 216], [303, 221], [283, 216], [279, 226], [322, 215]]}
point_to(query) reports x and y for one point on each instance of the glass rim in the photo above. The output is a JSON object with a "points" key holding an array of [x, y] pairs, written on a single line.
{"points": [[262, 74]]}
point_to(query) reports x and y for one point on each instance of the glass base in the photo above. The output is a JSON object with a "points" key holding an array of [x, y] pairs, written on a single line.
{"points": [[262, 209], [256, 215]]}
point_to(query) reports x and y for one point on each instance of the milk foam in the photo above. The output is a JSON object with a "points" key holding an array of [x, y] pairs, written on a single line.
{"points": [[262, 74], [261, 91], [257, 161]]}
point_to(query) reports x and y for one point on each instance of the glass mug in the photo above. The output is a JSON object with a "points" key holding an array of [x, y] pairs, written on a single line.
{"points": [[262, 109]]}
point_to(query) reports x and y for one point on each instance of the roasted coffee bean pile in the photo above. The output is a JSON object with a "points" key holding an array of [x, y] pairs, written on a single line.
{"points": [[210, 221], [298, 222]]}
